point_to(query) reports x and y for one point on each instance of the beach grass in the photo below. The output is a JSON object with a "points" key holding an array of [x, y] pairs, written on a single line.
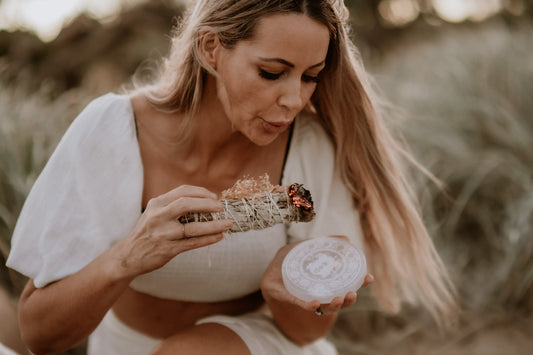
{"points": [[463, 102]]}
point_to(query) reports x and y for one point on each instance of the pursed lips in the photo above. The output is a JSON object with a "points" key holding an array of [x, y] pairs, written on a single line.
{"points": [[280, 124], [275, 126]]}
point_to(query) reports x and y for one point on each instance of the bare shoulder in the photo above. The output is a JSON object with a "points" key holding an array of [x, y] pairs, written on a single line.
{"points": [[148, 117], [141, 107]]}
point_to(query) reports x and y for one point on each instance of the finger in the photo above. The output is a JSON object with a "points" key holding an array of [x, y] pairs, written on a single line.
{"points": [[185, 205], [333, 307], [311, 306], [369, 278], [183, 245], [341, 237], [349, 299], [199, 229], [335, 304], [184, 191]]}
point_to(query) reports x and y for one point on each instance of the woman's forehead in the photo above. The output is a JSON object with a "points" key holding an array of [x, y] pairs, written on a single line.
{"points": [[290, 35]]}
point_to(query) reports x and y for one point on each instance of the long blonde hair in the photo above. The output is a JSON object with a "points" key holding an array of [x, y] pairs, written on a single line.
{"points": [[400, 252]]}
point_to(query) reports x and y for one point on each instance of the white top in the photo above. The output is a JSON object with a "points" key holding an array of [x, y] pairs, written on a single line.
{"points": [[89, 196]]}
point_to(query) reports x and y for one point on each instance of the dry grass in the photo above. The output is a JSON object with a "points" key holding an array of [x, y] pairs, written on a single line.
{"points": [[467, 112], [463, 103], [472, 124], [30, 128]]}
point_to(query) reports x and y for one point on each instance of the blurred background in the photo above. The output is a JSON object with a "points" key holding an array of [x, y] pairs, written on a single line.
{"points": [[457, 81]]}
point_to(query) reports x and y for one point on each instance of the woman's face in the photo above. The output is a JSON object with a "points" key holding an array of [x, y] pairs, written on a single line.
{"points": [[265, 81]]}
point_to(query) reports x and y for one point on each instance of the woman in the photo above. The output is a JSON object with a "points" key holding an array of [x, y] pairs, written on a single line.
{"points": [[250, 87]]}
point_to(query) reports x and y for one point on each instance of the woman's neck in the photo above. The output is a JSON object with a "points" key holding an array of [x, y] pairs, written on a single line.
{"points": [[212, 155], [212, 138], [211, 144]]}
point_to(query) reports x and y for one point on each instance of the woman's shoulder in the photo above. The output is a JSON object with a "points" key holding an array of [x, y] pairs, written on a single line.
{"points": [[110, 99], [311, 154], [309, 125], [106, 113], [311, 139], [312, 162], [110, 103]]}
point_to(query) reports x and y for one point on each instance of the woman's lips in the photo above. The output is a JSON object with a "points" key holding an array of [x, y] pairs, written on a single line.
{"points": [[275, 127]]}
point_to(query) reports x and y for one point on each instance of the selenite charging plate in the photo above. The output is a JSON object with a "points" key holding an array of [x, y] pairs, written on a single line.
{"points": [[323, 268]]}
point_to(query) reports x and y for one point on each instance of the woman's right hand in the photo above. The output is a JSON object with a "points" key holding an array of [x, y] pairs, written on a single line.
{"points": [[159, 236], [60, 315]]}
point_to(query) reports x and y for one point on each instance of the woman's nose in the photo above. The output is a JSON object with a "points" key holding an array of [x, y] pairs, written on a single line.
{"points": [[291, 96]]}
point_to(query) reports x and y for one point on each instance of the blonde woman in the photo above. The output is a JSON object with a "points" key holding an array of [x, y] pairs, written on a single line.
{"points": [[250, 87]]}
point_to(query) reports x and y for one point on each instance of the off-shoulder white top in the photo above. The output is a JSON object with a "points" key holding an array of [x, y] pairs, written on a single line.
{"points": [[89, 195]]}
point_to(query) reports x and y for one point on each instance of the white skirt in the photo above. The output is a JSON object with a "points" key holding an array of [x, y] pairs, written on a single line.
{"points": [[257, 330], [263, 337], [4, 350], [112, 337]]}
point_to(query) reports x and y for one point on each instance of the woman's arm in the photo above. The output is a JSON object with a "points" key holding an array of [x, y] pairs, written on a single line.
{"points": [[296, 318], [60, 315]]}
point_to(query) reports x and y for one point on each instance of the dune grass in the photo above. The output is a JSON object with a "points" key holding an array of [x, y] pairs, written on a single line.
{"points": [[470, 109], [463, 103], [30, 128]]}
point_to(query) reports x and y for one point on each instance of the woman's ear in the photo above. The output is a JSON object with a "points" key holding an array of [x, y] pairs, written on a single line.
{"points": [[209, 47]]}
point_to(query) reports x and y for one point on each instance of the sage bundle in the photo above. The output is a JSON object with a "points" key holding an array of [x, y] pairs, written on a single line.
{"points": [[256, 204]]}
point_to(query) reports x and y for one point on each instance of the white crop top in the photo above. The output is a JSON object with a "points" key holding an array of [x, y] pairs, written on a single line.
{"points": [[89, 195]]}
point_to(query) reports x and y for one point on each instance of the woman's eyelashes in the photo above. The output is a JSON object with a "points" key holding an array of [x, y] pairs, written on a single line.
{"points": [[310, 79], [275, 76], [269, 75]]}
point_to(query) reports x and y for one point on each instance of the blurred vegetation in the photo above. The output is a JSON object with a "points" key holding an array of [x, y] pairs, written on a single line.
{"points": [[87, 53], [108, 53], [459, 94], [463, 103]]}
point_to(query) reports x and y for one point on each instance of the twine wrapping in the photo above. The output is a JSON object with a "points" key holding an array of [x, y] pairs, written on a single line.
{"points": [[285, 205]]}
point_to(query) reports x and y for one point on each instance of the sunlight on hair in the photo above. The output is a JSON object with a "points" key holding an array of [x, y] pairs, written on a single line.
{"points": [[398, 12]]}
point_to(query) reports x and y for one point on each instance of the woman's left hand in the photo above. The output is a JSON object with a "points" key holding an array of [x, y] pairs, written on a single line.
{"points": [[301, 321], [272, 287]]}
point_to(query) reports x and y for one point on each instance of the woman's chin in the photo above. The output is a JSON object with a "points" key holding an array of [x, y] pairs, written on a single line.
{"points": [[263, 140], [263, 137]]}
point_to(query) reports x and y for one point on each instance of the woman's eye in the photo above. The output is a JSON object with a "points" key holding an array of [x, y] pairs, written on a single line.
{"points": [[268, 75], [310, 79]]}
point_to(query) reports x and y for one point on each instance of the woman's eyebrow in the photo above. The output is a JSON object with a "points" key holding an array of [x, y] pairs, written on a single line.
{"points": [[287, 63]]}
